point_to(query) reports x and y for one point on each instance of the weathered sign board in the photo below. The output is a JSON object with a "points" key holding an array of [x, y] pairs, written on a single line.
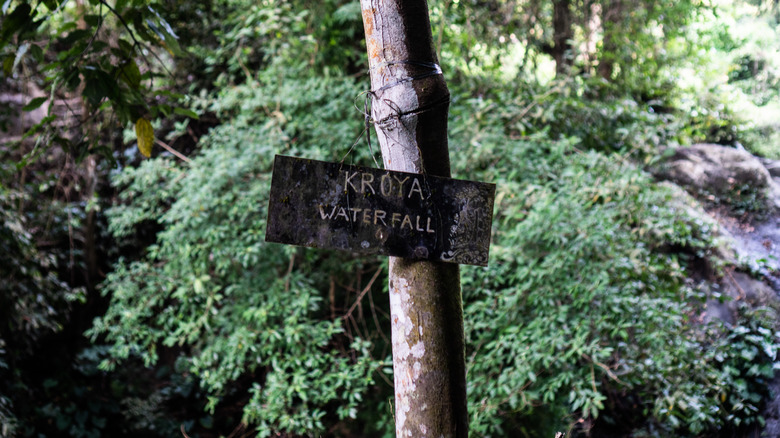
{"points": [[375, 211]]}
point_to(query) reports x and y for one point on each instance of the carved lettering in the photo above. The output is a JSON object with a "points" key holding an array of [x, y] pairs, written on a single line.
{"points": [[379, 211], [388, 185], [376, 217], [405, 221], [382, 180], [355, 211], [380, 215], [396, 218], [416, 183], [348, 180], [365, 180], [401, 185], [326, 215]]}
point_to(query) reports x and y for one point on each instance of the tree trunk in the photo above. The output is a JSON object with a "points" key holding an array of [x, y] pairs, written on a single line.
{"points": [[563, 33], [612, 16], [410, 101]]}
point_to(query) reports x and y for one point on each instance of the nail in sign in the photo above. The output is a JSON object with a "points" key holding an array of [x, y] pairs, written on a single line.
{"points": [[374, 211]]}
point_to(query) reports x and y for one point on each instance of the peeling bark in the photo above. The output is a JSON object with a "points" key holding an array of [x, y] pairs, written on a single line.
{"points": [[410, 101]]}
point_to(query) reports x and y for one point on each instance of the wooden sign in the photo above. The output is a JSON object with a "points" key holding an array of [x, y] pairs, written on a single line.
{"points": [[373, 211]]}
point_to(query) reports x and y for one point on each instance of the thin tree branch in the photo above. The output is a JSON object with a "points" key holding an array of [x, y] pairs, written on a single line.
{"points": [[363, 292], [173, 151]]}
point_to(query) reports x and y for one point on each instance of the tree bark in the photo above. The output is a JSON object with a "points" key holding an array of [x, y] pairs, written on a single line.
{"points": [[612, 16], [563, 33], [410, 101]]}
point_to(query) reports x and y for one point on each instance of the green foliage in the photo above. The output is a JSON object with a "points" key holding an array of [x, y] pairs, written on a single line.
{"points": [[730, 85], [106, 53], [584, 316], [320, 122], [571, 269], [584, 321], [243, 39], [611, 124], [33, 298], [747, 199], [749, 367], [35, 303], [584, 307], [635, 39], [252, 36], [213, 286]]}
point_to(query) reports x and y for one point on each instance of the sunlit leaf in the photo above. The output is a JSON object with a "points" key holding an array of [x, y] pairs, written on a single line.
{"points": [[164, 32], [20, 55], [145, 134], [67, 27]]}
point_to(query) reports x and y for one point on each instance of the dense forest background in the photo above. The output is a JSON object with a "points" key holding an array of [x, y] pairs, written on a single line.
{"points": [[139, 298]]}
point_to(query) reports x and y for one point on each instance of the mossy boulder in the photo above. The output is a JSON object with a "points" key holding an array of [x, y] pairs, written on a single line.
{"points": [[721, 175]]}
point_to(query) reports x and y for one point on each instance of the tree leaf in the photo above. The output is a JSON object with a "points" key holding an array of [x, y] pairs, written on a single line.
{"points": [[165, 33], [14, 22], [93, 20], [37, 53], [51, 4], [98, 85], [20, 55], [72, 78], [145, 134], [120, 5], [8, 64], [130, 74], [67, 27], [98, 46], [185, 112], [35, 103], [126, 47]]}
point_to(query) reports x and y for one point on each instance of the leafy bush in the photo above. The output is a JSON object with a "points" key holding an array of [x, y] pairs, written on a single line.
{"points": [[211, 288], [43, 389], [584, 321], [749, 365], [584, 318]]}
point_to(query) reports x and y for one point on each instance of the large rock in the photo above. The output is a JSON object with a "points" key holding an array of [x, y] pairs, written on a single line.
{"points": [[738, 286], [720, 173], [773, 166], [723, 242]]}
